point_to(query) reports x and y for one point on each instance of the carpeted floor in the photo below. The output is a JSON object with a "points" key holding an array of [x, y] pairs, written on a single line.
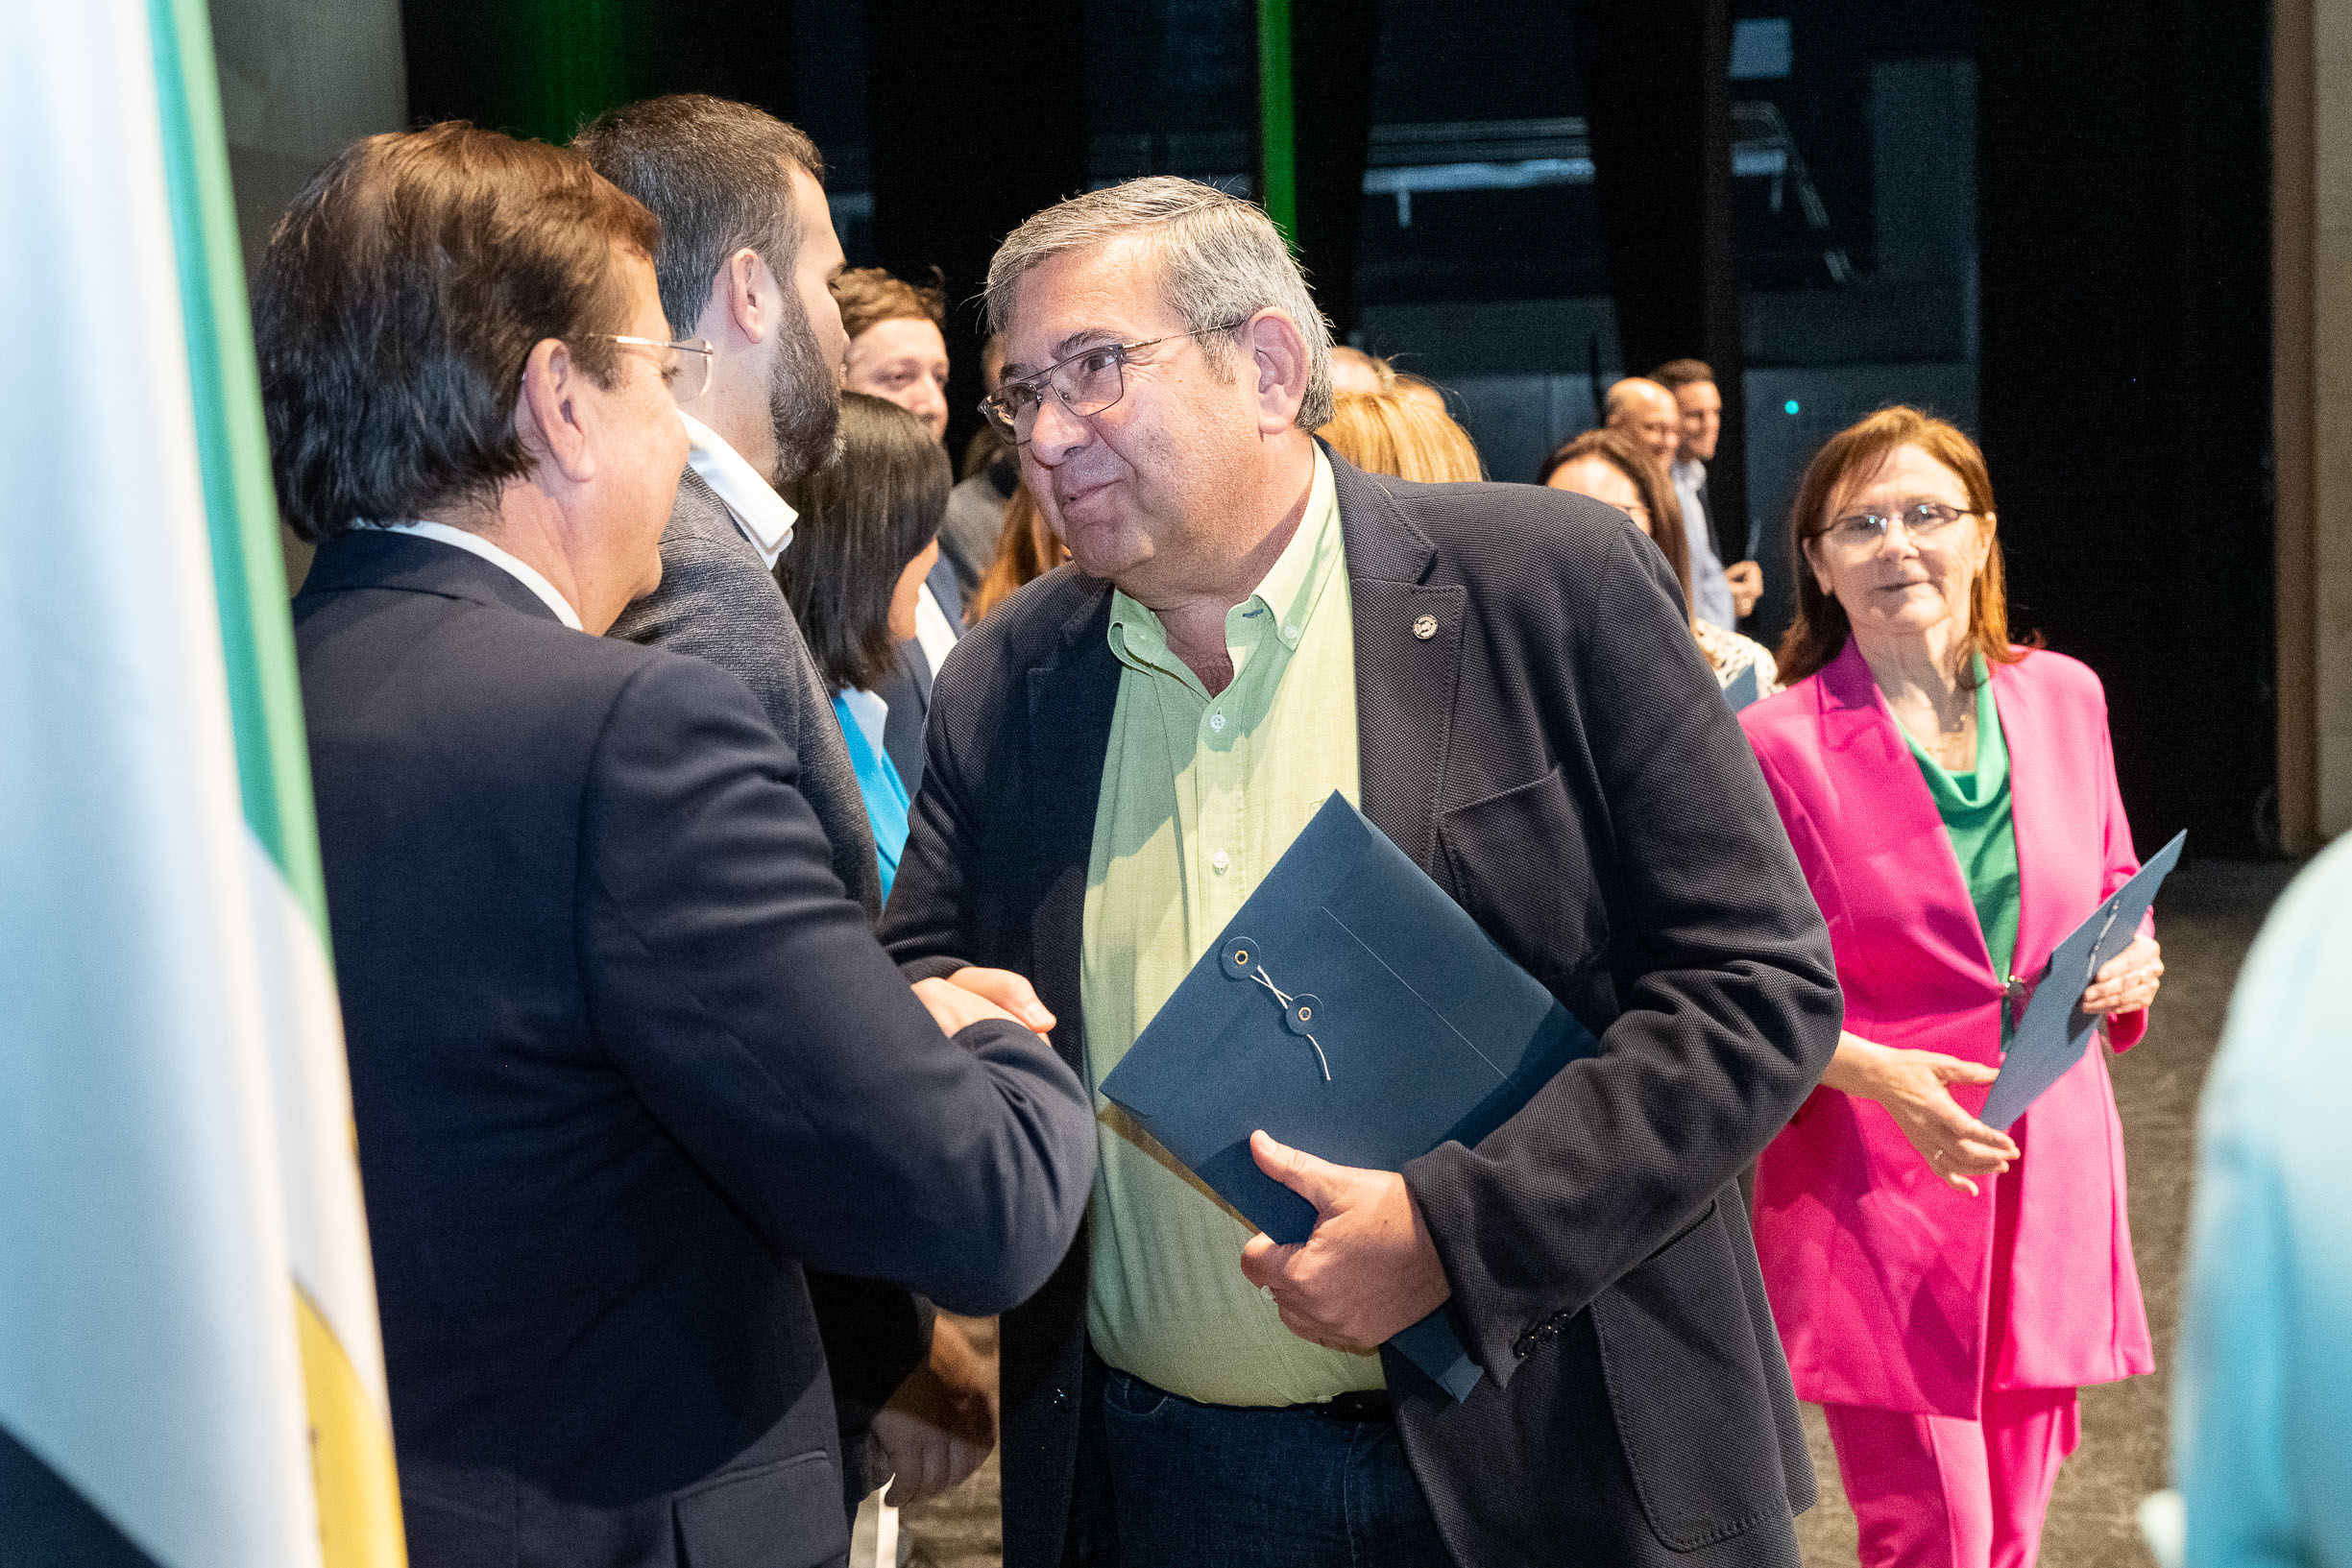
{"points": [[2206, 919]]}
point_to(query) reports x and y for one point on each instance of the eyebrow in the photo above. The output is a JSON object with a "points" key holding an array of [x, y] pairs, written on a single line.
{"points": [[1072, 342]]}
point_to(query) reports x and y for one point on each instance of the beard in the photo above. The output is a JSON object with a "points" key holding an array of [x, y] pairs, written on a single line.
{"points": [[803, 401]]}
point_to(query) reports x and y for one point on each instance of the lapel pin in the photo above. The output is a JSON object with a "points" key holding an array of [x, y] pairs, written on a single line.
{"points": [[1424, 627]]}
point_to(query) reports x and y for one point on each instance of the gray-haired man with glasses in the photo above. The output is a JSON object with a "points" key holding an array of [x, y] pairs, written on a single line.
{"points": [[1503, 678]]}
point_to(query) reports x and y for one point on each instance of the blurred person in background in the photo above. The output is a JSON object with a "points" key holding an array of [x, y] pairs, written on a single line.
{"points": [[1355, 373], [2265, 1368], [987, 479], [1700, 402], [1943, 1288], [1422, 392], [1612, 465], [896, 347], [896, 353], [1025, 551], [866, 537], [1647, 412], [1386, 432]]}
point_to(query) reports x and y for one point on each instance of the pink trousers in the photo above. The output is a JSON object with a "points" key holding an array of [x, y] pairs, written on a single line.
{"points": [[1932, 1491]]}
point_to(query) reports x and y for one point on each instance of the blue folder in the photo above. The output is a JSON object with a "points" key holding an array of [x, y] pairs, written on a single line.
{"points": [[1352, 1010], [2051, 1036]]}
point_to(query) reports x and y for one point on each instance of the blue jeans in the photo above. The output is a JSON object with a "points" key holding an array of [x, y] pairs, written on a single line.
{"points": [[1197, 1486]]}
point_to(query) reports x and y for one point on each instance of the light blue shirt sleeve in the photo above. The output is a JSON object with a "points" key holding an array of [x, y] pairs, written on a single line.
{"points": [[1710, 592], [2261, 1420]]}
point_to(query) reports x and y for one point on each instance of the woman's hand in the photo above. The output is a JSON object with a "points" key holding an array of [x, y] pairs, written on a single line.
{"points": [[2127, 982], [1911, 1085]]}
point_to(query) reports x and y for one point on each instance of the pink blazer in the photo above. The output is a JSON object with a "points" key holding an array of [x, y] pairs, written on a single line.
{"points": [[1881, 1276]]}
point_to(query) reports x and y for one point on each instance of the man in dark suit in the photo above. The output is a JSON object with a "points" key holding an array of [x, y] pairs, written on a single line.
{"points": [[623, 1055], [1503, 678], [747, 254]]}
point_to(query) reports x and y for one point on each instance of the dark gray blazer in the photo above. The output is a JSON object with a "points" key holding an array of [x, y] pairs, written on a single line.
{"points": [[622, 1059], [1555, 755], [717, 601]]}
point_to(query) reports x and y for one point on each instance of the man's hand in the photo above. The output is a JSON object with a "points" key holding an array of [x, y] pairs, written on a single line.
{"points": [[1366, 1272], [939, 1426], [1007, 990], [956, 1008], [1747, 580]]}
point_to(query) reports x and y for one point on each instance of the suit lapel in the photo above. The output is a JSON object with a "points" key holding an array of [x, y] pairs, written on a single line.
{"points": [[1071, 693], [1893, 829], [1408, 637], [2046, 816]]}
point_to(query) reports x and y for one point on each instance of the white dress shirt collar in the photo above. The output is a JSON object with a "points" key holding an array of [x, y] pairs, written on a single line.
{"points": [[762, 516], [472, 543]]}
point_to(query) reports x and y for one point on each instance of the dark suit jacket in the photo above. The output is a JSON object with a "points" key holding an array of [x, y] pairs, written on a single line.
{"points": [[906, 690], [623, 1057], [718, 601], [1555, 755]]}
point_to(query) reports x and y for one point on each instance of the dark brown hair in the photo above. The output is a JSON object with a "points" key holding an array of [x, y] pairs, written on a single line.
{"points": [[862, 518], [397, 302], [1820, 631], [718, 173], [1026, 551], [1632, 458], [1677, 374], [869, 296]]}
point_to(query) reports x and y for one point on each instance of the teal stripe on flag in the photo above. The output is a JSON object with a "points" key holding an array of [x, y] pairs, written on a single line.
{"points": [[249, 575]]}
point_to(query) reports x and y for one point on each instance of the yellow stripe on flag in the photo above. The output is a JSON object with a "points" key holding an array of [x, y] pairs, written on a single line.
{"points": [[350, 1455]]}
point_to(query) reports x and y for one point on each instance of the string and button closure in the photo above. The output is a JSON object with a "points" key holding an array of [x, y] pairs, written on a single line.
{"points": [[1240, 961]]}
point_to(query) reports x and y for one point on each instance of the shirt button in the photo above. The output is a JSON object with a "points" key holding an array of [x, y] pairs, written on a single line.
{"points": [[1291, 632], [1221, 859], [1217, 721]]}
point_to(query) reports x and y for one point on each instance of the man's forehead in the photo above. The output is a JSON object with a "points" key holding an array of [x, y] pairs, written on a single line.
{"points": [[1104, 293]]}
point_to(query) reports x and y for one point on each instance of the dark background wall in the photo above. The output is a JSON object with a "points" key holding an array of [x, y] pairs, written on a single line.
{"points": [[2124, 381], [2047, 219]]}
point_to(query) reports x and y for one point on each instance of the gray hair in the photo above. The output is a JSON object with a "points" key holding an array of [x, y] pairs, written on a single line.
{"points": [[1221, 259]]}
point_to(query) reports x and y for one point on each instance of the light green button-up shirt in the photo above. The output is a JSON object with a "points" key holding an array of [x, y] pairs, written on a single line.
{"points": [[1201, 796]]}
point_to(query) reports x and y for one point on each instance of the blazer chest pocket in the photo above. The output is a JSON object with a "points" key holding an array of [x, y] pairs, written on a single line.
{"points": [[1521, 866], [1688, 1390]]}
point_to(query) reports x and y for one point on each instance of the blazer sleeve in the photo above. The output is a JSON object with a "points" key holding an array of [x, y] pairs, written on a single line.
{"points": [[1730, 1000], [747, 1003], [2124, 1030]]}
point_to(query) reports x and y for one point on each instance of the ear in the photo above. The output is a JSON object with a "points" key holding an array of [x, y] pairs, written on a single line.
{"points": [[552, 416], [1821, 573], [1278, 356], [743, 300]]}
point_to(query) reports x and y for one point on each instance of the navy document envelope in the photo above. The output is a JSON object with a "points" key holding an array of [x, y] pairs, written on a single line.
{"points": [[2051, 1036], [1352, 1010]]}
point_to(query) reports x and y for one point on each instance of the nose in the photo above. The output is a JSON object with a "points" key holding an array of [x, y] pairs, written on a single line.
{"points": [[1057, 432]]}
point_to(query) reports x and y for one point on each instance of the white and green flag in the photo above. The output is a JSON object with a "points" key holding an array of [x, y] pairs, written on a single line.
{"points": [[190, 1369]]}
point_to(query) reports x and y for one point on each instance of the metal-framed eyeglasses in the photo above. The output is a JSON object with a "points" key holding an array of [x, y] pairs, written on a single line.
{"points": [[685, 365], [1921, 520], [1086, 383]]}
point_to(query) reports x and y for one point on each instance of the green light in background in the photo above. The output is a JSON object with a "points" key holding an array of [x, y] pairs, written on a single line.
{"points": [[1789, 407]]}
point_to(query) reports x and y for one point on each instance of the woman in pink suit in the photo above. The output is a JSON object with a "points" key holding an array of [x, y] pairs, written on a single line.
{"points": [[1943, 1289]]}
